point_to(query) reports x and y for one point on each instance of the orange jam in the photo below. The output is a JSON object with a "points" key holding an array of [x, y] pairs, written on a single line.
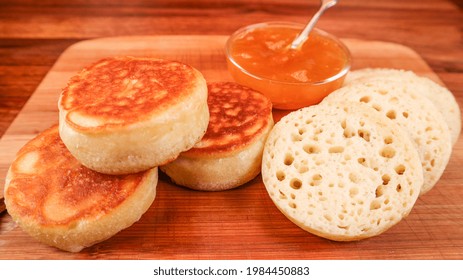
{"points": [[259, 57]]}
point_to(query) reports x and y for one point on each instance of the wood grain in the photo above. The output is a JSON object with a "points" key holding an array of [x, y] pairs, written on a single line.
{"points": [[242, 223]]}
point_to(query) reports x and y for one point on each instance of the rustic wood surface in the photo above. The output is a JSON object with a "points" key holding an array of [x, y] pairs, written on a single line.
{"points": [[241, 223], [33, 34]]}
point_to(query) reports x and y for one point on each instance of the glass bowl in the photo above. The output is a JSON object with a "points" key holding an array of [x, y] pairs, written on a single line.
{"points": [[258, 56]]}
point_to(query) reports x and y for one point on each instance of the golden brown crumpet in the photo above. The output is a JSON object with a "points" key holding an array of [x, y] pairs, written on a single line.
{"points": [[238, 116], [230, 152], [121, 91], [62, 203], [123, 115]]}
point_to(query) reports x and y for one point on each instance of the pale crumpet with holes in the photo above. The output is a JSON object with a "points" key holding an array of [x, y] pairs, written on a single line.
{"points": [[366, 73], [230, 153], [123, 115], [400, 102], [440, 96], [60, 202], [342, 171]]}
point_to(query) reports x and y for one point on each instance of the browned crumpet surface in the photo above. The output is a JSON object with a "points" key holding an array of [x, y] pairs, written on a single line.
{"points": [[124, 90], [238, 115], [49, 186]]}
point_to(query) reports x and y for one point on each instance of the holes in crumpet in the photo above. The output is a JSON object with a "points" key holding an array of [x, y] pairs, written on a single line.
{"points": [[311, 149], [377, 107], [280, 175], [343, 124], [319, 130], [316, 180], [388, 152], [364, 134], [398, 188], [303, 169], [348, 133], [296, 137], [375, 205], [393, 100], [317, 177], [365, 99], [336, 149], [391, 114], [295, 183], [386, 178], [399, 169], [382, 91], [388, 140], [379, 191], [289, 159]]}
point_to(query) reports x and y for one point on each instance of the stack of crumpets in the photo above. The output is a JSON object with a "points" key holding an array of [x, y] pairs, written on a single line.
{"points": [[119, 118], [125, 115], [354, 165]]}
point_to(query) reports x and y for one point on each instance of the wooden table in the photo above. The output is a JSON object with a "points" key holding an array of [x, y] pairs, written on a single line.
{"points": [[34, 34]]}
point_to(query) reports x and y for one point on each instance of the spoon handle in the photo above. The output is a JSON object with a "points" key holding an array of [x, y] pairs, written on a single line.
{"points": [[305, 33]]}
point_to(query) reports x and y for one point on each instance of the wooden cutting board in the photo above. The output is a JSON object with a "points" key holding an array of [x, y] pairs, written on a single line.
{"points": [[242, 223]]}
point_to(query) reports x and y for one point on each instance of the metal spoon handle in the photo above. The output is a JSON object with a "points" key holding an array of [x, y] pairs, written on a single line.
{"points": [[305, 33]]}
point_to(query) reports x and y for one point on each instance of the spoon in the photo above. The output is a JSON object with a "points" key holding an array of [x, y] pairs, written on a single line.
{"points": [[325, 4]]}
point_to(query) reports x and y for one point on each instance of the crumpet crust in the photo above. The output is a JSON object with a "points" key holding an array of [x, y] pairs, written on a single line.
{"points": [[66, 205], [121, 91]]}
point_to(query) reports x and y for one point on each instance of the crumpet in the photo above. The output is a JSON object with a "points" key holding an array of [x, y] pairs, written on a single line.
{"points": [[341, 171], [230, 153], [124, 115], [63, 204], [400, 102], [440, 96]]}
